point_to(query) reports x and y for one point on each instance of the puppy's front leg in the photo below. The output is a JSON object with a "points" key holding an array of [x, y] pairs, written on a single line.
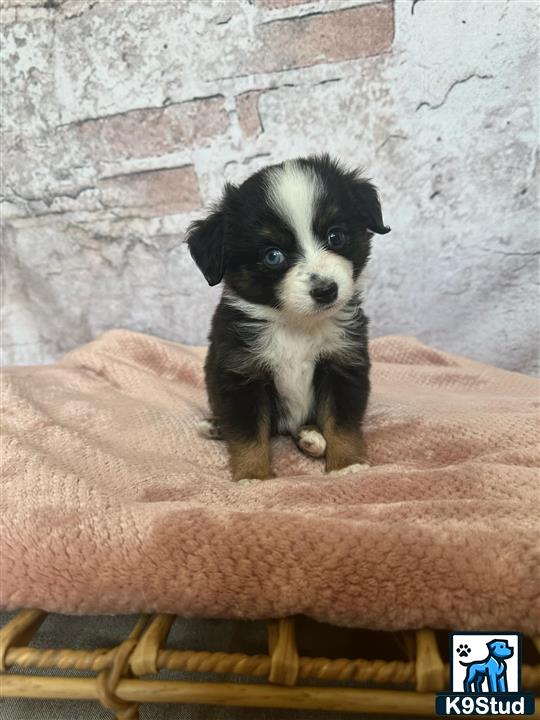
{"points": [[345, 446], [250, 459], [245, 418], [343, 399]]}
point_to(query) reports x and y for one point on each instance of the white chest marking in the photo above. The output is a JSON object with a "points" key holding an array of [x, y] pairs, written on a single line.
{"points": [[290, 350], [291, 353]]}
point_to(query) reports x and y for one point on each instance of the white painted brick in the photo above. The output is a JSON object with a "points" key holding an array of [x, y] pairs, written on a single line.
{"points": [[443, 116]]}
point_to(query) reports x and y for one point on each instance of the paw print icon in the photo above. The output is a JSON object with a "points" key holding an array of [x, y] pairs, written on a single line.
{"points": [[463, 650]]}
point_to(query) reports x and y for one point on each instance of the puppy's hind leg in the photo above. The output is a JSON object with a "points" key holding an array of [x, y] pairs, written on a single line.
{"points": [[311, 441]]}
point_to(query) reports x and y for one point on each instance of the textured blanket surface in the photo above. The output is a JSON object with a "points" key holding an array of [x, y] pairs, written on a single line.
{"points": [[110, 501]]}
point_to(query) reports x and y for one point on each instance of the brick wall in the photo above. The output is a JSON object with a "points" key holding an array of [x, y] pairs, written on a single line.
{"points": [[122, 120]]}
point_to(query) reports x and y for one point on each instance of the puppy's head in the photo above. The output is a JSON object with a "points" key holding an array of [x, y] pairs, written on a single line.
{"points": [[294, 236]]}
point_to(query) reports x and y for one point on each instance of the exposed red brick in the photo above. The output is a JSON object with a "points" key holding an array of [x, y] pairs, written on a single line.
{"points": [[153, 192], [156, 131], [248, 113], [327, 37]]}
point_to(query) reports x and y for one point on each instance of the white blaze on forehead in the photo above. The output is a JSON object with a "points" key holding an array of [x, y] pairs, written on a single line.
{"points": [[293, 193]]}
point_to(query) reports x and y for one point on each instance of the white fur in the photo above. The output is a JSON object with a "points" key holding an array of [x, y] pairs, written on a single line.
{"points": [[291, 352], [311, 442], [294, 192], [290, 347], [356, 467], [294, 337], [294, 293], [208, 429], [256, 311]]}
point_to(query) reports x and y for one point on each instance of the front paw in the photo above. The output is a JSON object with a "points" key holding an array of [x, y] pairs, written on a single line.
{"points": [[250, 460], [249, 473], [346, 451], [252, 481]]}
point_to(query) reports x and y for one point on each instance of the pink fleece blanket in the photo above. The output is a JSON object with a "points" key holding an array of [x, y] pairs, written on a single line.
{"points": [[111, 503]]}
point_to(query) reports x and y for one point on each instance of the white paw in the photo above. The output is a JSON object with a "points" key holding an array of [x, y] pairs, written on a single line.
{"points": [[249, 481], [311, 442], [350, 469], [208, 428]]}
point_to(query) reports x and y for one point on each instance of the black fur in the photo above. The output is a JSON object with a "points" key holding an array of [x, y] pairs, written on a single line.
{"points": [[230, 245], [241, 391]]}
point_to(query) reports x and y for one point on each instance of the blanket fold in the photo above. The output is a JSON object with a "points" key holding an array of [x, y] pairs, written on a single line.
{"points": [[111, 503]]}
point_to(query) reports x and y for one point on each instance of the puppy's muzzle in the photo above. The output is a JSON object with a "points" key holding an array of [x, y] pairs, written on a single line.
{"points": [[323, 291]]}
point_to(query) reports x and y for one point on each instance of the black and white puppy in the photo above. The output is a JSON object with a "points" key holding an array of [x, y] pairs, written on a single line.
{"points": [[288, 345]]}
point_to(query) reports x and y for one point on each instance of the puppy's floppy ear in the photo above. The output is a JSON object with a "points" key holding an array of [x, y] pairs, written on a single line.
{"points": [[206, 241], [370, 207]]}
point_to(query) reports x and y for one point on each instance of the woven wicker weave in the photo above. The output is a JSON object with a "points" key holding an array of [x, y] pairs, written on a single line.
{"points": [[117, 684]]}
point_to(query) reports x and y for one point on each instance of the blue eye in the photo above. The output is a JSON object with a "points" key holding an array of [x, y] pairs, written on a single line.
{"points": [[335, 238], [273, 258]]}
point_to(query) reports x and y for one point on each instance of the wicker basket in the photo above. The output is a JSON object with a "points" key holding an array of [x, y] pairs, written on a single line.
{"points": [[118, 685]]}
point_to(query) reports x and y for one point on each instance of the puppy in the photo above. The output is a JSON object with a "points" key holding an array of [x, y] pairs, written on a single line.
{"points": [[288, 345]]}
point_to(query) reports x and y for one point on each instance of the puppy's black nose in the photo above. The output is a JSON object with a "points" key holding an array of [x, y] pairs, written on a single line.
{"points": [[324, 292]]}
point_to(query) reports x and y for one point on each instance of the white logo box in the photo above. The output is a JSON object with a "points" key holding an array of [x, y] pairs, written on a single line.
{"points": [[478, 651]]}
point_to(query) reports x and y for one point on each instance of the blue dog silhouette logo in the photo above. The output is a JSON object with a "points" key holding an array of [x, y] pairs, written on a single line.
{"points": [[485, 676], [491, 669]]}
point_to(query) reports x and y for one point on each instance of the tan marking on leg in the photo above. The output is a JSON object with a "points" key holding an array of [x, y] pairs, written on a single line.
{"points": [[343, 447], [250, 460]]}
